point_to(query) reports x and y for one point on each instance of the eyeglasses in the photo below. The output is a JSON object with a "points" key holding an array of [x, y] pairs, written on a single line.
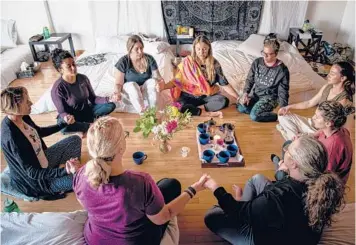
{"points": [[266, 55]]}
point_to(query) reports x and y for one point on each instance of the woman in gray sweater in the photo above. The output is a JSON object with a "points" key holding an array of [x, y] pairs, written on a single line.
{"points": [[267, 85]]}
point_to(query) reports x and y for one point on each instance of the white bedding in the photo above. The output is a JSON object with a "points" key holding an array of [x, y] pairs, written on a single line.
{"points": [[101, 77], [236, 65], [11, 60]]}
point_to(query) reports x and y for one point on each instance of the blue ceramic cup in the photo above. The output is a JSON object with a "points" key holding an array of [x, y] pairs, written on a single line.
{"points": [[204, 138], [232, 149], [139, 157], [208, 155], [202, 128], [223, 156]]}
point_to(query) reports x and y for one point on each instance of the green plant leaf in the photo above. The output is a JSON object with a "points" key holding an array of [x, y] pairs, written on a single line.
{"points": [[137, 129]]}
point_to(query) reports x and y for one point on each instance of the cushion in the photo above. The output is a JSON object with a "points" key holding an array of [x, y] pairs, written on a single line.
{"points": [[342, 231], [8, 34], [156, 47], [253, 45], [117, 44], [111, 44], [7, 189], [57, 228]]}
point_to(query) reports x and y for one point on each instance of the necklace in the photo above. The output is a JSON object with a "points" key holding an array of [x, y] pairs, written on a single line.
{"points": [[140, 66]]}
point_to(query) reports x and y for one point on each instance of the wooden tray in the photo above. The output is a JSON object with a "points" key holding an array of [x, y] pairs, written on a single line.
{"points": [[233, 161]]}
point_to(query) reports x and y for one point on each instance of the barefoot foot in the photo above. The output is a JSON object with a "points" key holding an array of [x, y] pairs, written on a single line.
{"points": [[237, 192]]}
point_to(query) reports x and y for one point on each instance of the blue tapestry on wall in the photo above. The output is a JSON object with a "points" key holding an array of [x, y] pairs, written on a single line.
{"points": [[219, 20]]}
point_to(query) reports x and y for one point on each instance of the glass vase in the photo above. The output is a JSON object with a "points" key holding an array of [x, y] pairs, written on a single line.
{"points": [[164, 146]]}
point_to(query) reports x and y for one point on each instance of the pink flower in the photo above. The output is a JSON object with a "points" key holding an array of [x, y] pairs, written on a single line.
{"points": [[177, 104], [172, 125], [220, 141]]}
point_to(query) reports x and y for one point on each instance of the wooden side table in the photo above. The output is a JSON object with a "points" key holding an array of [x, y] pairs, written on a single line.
{"points": [[311, 48], [57, 39]]}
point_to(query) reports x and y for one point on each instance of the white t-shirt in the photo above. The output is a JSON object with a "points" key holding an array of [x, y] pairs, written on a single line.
{"points": [[35, 141]]}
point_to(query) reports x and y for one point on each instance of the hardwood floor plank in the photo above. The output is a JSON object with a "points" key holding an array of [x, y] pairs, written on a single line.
{"points": [[257, 140]]}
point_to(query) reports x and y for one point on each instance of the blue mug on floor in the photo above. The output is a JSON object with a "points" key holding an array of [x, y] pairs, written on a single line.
{"points": [[139, 157], [208, 156], [204, 138], [223, 156], [202, 128], [232, 149]]}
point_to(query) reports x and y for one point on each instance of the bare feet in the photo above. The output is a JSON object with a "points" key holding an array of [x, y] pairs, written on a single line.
{"points": [[212, 114], [237, 192]]}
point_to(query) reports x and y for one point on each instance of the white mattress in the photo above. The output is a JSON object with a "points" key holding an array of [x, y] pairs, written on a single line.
{"points": [[236, 65], [11, 60], [101, 77]]}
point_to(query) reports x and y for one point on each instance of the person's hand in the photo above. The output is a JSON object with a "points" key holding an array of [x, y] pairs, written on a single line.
{"points": [[283, 111], [282, 166], [199, 185], [297, 136], [160, 85], [211, 184], [69, 119], [72, 165], [116, 97], [245, 99]]}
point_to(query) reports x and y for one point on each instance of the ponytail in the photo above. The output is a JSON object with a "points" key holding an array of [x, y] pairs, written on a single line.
{"points": [[325, 197], [97, 171]]}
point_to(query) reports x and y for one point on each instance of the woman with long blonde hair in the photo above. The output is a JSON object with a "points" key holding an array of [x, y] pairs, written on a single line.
{"points": [[195, 85], [136, 76], [124, 207]]}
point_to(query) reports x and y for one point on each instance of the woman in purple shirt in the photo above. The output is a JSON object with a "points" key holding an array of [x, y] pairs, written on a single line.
{"points": [[73, 96], [124, 207]]}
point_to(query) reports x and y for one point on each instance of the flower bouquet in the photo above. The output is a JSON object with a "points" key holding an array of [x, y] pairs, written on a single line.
{"points": [[171, 121]]}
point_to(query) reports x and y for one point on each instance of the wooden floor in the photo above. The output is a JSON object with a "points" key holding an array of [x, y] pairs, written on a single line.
{"points": [[257, 140]]}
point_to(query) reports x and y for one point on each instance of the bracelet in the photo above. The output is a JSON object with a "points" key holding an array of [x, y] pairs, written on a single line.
{"points": [[190, 194], [192, 190]]}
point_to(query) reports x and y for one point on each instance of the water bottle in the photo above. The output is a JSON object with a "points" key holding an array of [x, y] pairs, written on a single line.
{"points": [[10, 206], [46, 33]]}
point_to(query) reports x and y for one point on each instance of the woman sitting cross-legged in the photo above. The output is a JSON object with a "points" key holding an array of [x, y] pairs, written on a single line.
{"points": [[340, 88], [293, 210], [73, 96], [34, 168], [267, 85], [136, 76], [195, 84], [124, 207]]}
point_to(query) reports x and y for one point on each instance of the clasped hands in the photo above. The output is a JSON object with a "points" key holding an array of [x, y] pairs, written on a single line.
{"points": [[72, 165]]}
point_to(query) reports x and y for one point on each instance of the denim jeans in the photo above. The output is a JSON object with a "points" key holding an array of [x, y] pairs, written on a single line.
{"points": [[280, 174], [260, 109], [82, 122]]}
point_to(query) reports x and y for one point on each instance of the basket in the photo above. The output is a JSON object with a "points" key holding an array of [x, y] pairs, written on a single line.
{"points": [[26, 74]]}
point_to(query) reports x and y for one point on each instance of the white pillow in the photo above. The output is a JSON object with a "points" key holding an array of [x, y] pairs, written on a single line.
{"points": [[156, 47], [253, 45], [225, 44], [8, 34], [113, 44]]}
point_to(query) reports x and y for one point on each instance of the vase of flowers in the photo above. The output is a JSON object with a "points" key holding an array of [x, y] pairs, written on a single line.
{"points": [[171, 120], [164, 146]]}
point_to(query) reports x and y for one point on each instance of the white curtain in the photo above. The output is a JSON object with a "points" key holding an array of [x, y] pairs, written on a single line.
{"points": [[279, 16]]}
